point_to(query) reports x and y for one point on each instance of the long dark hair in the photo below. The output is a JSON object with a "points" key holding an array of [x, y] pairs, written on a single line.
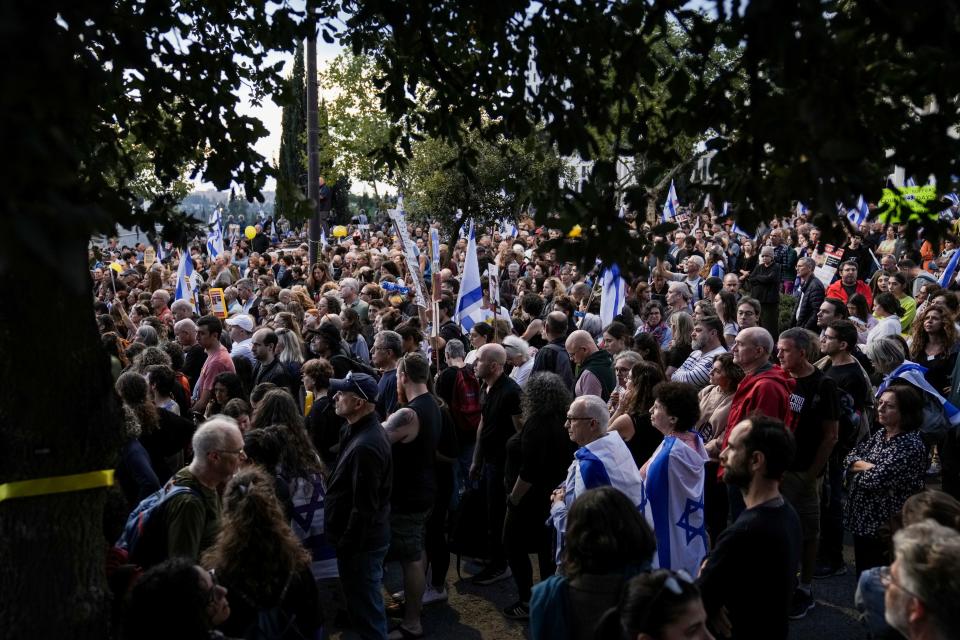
{"points": [[545, 397], [606, 533], [255, 550]]}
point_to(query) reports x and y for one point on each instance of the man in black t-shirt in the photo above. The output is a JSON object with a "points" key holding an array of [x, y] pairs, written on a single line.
{"points": [[749, 575], [838, 342], [500, 410], [815, 411]]}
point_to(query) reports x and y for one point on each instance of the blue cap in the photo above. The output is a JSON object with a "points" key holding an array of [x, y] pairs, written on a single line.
{"points": [[361, 384]]}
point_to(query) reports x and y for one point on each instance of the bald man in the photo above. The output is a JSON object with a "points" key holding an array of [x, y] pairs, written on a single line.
{"points": [[765, 389], [594, 364], [500, 419]]}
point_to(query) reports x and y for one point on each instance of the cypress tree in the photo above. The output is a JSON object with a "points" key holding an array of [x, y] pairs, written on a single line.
{"points": [[292, 164]]}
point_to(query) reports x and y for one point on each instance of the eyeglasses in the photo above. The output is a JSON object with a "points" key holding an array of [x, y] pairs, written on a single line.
{"points": [[238, 452], [212, 592], [886, 579], [575, 418]]}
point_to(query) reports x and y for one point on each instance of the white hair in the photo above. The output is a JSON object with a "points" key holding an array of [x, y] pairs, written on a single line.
{"points": [[517, 347], [596, 409], [186, 324], [212, 435]]}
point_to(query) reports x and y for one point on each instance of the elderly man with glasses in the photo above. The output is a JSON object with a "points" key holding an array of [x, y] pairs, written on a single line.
{"points": [[357, 509]]}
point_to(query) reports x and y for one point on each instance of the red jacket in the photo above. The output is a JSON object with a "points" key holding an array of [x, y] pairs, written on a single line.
{"points": [[768, 392], [836, 290]]}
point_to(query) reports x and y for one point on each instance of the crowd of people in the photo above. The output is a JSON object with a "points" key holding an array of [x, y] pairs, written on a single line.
{"points": [[686, 469]]}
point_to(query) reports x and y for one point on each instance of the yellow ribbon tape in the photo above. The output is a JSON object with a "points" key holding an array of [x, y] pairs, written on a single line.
{"points": [[56, 484]]}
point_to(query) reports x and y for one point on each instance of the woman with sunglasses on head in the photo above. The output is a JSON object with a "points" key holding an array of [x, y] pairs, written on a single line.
{"points": [[661, 605]]}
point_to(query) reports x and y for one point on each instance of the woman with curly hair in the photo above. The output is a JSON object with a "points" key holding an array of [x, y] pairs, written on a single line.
{"points": [[260, 561], [537, 460], [934, 346], [677, 466], [319, 275], [632, 420], [163, 434]]}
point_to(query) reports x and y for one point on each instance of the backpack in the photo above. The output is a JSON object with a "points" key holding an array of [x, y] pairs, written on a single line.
{"points": [[144, 536], [465, 403], [468, 533]]}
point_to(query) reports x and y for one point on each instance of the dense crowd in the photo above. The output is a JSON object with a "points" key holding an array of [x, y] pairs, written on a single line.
{"points": [[683, 469]]}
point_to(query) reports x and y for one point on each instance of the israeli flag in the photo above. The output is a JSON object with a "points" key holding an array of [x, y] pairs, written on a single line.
{"points": [[858, 215], [706, 202], [614, 295], [671, 205], [674, 504], [950, 271], [215, 236], [186, 279], [605, 462], [507, 228], [470, 298], [740, 232], [953, 198], [913, 373], [161, 256], [910, 182], [801, 208], [725, 211], [323, 237], [435, 247]]}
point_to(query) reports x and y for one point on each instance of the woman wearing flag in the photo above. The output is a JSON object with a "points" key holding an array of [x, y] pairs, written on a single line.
{"points": [[673, 479]]}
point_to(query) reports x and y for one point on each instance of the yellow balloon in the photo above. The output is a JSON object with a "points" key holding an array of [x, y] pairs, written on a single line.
{"points": [[250, 232], [575, 232], [116, 267], [339, 231]]}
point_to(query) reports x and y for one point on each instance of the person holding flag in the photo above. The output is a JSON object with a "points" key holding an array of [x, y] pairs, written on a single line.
{"points": [[470, 297], [671, 206]]}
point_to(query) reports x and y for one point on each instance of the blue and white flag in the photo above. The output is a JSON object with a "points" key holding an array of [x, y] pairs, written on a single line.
{"points": [[740, 232], [273, 231], [186, 279], [858, 215], [323, 237], [801, 208], [161, 256], [953, 198], [910, 182], [507, 228], [674, 504], [605, 462], [470, 298], [435, 248], [725, 211], [215, 236], [950, 271], [913, 373], [706, 202], [671, 206], [613, 295]]}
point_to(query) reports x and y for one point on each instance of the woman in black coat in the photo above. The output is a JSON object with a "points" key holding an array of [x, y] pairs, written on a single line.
{"points": [[764, 282]]}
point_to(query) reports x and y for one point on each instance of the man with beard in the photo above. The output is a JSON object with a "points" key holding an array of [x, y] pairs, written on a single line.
{"points": [[707, 345], [747, 581]]}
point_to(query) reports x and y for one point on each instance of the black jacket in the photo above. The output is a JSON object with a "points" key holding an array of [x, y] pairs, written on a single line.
{"points": [[810, 294], [357, 508], [765, 283], [554, 358]]}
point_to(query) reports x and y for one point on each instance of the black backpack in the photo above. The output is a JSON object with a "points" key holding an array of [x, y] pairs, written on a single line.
{"points": [[468, 535]]}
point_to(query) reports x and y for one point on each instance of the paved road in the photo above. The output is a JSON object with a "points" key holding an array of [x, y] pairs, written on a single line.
{"points": [[473, 613]]}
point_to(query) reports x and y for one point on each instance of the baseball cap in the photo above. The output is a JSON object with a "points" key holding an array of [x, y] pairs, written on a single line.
{"points": [[242, 320], [361, 384]]}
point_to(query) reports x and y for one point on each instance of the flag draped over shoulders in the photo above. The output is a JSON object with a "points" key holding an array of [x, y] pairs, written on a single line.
{"points": [[674, 504]]}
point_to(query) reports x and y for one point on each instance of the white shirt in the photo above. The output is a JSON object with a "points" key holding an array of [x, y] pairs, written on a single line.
{"points": [[889, 326]]}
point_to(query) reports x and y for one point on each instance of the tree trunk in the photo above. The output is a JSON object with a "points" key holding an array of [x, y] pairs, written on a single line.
{"points": [[57, 417]]}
